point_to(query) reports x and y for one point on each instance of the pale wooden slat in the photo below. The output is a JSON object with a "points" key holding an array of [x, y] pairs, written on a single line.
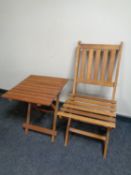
{"points": [[89, 134], [88, 114], [111, 65], [93, 101], [46, 83], [40, 129], [37, 86], [89, 64], [112, 114], [30, 93], [36, 90], [27, 95], [43, 83], [83, 63], [87, 120], [104, 65], [99, 83], [76, 69], [97, 64], [91, 105], [95, 98], [99, 46], [14, 94], [19, 97], [46, 79]]}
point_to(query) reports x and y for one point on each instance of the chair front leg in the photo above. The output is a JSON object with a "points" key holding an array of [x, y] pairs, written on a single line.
{"points": [[106, 142], [67, 132]]}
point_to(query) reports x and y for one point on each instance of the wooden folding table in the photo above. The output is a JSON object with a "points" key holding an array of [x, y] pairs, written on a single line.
{"points": [[39, 90]]}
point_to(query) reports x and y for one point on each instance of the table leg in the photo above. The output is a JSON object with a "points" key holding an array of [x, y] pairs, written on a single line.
{"points": [[55, 117], [28, 118], [36, 128]]}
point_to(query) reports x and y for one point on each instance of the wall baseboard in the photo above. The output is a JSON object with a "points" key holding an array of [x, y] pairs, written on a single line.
{"points": [[3, 91], [124, 118]]}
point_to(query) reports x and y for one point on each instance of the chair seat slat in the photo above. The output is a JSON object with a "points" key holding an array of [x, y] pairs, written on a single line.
{"points": [[94, 98], [89, 114], [98, 111], [92, 104], [87, 120], [93, 101]]}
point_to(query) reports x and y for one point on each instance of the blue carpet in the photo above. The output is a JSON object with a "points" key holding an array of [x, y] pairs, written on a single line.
{"points": [[34, 154]]}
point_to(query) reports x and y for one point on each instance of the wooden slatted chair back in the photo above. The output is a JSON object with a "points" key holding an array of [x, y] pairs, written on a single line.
{"points": [[97, 64]]}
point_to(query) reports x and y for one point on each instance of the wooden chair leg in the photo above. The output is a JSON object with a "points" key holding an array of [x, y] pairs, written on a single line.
{"points": [[28, 118], [106, 143], [55, 117], [67, 132]]}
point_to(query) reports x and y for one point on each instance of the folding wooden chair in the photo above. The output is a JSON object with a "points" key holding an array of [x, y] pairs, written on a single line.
{"points": [[96, 64]]}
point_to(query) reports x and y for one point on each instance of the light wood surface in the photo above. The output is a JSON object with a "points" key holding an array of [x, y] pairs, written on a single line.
{"points": [[96, 64], [38, 90]]}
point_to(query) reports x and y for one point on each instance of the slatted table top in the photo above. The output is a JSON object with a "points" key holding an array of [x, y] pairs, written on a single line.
{"points": [[37, 89]]}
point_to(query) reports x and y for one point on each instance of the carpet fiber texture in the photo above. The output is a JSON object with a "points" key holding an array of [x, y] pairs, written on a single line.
{"points": [[34, 154]]}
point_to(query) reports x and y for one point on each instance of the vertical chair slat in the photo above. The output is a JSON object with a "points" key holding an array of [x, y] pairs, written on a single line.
{"points": [[111, 65], [76, 69], [104, 65], [89, 64], [97, 63], [83, 62]]}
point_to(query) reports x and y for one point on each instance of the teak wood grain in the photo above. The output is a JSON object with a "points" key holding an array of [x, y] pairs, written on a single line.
{"points": [[39, 90], [96, 64]]}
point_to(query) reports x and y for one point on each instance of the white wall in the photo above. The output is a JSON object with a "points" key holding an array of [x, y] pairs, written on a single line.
{"points": [[39, 37]]}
